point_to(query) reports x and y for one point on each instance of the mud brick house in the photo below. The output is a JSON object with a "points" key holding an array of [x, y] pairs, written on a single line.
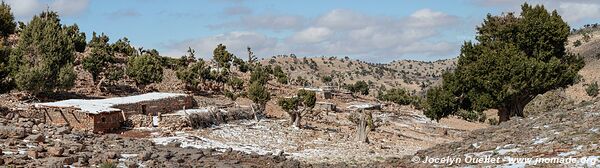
{"points": [[105, 115]]}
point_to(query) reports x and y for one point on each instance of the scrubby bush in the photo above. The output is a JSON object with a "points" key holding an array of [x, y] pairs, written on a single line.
{"points": [[43, 59], [145, 69], [577, 43], [194, 75], [592, 89], [123, 46], [359, 87], [280, 75], [398, 96]]}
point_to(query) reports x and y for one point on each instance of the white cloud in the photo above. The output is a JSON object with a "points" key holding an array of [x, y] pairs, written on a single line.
{"points": [[574, 12], [270, 22], [25, 9], [343, 19], [311, 35], [69, 7], [429, 18], [337, 32]]}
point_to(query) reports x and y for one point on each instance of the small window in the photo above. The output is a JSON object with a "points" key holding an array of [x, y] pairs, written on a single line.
{"points": [[103, 119]]}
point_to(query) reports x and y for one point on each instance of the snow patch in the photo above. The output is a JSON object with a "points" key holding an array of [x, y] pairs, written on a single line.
{"points": [[106, 105]]}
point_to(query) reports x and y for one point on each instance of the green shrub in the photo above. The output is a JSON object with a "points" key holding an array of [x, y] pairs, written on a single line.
{"points": [[123, 46], [145, 69], [577, 43], [592, 89], [107, 165]]}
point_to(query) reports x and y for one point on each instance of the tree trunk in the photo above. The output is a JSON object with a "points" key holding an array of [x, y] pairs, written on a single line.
{"points": [[515, 109], [361, 128], [297, 120], [292, 118]]}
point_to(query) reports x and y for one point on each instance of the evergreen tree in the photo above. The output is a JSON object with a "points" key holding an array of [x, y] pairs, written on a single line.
{"points": [[7, 20], [145, 69], [43, 58], [77, 37], [100, 59], [123, 46], [298, 105], [194, 75], [515, 59]]}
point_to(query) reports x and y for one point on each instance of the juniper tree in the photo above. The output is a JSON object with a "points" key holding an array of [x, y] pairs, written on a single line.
{"points": [[515, 59], [145, 69], [257, 91], [7, 20], [43, 59], [101, 57], [298, 105], [195, 75], [123, 46], [77, 37], [7, 26]]}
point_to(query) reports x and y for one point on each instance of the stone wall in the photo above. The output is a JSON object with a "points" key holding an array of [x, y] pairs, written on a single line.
{"points": [[107, 122], [68, 116], [154, 107]]}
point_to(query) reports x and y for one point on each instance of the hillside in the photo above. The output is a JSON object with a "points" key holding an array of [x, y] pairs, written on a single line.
{"points": [[411, 75]]}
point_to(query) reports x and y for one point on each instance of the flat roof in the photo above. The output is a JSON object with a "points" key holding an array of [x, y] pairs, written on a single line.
{"points": [[96, 106]]}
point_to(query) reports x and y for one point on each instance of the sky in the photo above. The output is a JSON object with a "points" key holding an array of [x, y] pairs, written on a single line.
{"points": [[374, 31]]}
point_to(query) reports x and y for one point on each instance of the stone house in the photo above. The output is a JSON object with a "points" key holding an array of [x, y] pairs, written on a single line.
{"points": [[105, 115]]}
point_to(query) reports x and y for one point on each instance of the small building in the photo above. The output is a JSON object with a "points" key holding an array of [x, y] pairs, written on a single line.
{"points": [[105, 115]]}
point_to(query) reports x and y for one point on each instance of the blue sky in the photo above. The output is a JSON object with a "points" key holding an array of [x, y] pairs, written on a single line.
{"points": [[375, 31]]}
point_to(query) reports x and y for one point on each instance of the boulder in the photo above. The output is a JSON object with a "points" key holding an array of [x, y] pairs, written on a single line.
{"points": [[33, 154], [36, 138], [56, 151], [11, 132], [63, 130]]}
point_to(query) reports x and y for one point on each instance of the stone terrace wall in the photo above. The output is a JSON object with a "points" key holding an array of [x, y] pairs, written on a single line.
{"points": [[162, 106], [68, 116], [107, 122]]}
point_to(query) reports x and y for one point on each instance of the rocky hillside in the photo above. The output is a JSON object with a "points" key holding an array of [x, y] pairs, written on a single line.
{"points": [[572, 131], [408, 74]]}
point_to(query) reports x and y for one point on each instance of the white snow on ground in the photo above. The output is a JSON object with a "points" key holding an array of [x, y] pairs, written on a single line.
{"points": [[538, 140], [97, 106], [188, 140], [272, 136]]}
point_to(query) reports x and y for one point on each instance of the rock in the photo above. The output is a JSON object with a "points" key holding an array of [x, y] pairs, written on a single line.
{"points": [[144, 156], [130, 164], [56, 151], [111, 155], [36, 138], [63, 130], [174, 144], [196, 157], [32, 154], [12, 132]]}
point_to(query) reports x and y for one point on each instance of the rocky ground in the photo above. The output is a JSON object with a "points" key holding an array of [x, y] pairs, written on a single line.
{"points": [[569, 132], [329, 139], [26, 142]]}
